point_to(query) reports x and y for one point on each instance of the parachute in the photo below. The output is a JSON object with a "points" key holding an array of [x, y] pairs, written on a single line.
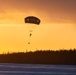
{"points": [[32, 20]]}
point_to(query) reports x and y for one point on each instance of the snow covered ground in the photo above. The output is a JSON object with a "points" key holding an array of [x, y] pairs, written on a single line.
{"points": [[36, 69]]}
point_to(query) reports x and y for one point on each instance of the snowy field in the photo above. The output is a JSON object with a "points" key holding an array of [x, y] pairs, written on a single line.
{"points": [[36, 69]]}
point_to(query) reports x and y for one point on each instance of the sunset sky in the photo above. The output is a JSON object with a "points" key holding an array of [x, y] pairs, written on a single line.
{"points": [[57, 29]]}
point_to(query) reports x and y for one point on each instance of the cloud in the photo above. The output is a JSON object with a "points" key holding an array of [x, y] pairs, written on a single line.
{"points": [[48, 10]]}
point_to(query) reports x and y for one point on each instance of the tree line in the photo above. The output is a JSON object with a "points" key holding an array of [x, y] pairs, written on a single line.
{"points": [[63, 57]]}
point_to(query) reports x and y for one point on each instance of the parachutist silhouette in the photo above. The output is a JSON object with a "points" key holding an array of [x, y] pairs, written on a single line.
{"points": [[30, 34], [28, 42]]}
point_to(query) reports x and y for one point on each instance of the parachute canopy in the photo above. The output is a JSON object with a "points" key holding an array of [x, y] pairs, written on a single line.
{"points": [[32, 20]]}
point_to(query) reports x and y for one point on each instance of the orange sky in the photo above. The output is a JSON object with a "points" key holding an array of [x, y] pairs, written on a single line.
{"points": [[56, 31]]}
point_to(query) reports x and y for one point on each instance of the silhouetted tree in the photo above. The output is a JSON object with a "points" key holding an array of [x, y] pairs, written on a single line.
{"points": [[41, 57]]}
